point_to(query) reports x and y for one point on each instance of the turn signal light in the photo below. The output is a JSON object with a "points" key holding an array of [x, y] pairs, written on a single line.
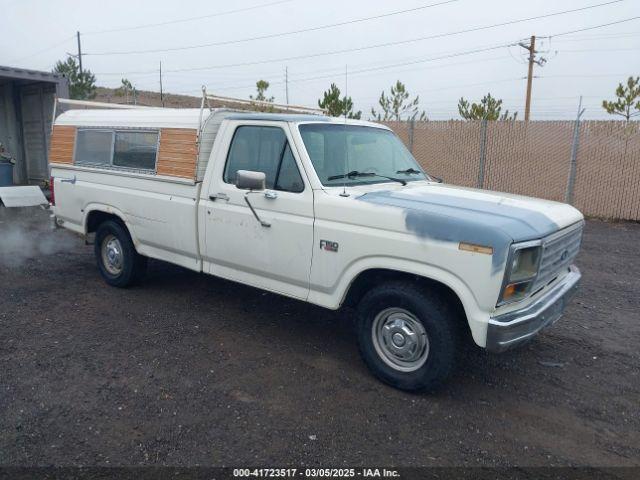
{"points": [[515, 291], [509, 290]]}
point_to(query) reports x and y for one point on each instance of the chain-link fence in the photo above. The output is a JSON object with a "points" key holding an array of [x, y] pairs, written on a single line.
{"points": [[594, 165]]}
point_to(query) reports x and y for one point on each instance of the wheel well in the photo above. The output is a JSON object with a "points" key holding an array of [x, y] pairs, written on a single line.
{"points": [[369, 278], [96, 217]]}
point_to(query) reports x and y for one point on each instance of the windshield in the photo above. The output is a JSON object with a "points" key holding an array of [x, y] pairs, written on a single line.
{"points": [[337, 150]]}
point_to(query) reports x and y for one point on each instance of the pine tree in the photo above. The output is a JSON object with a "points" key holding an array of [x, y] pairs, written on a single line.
{"points": [[262, 86], [337, 107], [489, 108], [81, 85], [627, 104], [397, 106]]}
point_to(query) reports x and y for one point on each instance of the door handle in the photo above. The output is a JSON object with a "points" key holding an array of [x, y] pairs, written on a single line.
{"points": [[270, 194], [72, 181], [219, 196]]}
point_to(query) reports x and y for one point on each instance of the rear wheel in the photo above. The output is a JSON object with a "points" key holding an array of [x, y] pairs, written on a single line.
{"points": [[119, 263], [408, 336]]}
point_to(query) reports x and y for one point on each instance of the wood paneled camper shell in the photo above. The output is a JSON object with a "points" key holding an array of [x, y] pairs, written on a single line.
{"points": [[171, 144]]}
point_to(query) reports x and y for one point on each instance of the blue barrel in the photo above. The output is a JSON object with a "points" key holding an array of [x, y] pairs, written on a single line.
{"points": [[6, 174]]}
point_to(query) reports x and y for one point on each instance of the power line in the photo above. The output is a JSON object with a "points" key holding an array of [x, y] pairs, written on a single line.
{"points": [[384, 67], [412, 62], [188, 19], [596, 26], [358, 49], [603, 75], [433, 59], [442, 35], [403, 64], [371, 69], [599, 50], [599, 36], [282, 34], [272, 60], [56, 45], [449, 87], [303, 79]]}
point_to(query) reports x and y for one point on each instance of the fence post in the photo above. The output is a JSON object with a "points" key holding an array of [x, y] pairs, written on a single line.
{"points": [[483, 152], [574, 155], [411, 132]]}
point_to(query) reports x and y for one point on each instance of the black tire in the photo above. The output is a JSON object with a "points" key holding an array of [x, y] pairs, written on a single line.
{"points": [[133, 265], [440, 322]]}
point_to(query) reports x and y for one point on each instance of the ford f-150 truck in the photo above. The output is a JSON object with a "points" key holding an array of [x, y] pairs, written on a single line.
{"points": [[324, 210]]}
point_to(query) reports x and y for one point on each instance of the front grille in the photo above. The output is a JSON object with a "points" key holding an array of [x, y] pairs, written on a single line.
{"points": [[558, 252]]}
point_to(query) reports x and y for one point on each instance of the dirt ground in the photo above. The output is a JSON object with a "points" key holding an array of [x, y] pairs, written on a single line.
{"points": [[189, 370]]}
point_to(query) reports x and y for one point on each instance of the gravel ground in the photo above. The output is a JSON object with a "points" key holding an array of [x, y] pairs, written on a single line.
{"points": [[189, 370]]}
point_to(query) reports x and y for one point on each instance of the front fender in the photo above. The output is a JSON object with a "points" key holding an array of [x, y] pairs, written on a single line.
{"points": [[476, 316]]}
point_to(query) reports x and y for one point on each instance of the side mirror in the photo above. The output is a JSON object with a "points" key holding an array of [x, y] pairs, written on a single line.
{"points": [[248, 180]]}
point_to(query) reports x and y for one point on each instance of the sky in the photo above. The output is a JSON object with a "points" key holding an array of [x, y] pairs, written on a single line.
{"points": [[228, 46]]}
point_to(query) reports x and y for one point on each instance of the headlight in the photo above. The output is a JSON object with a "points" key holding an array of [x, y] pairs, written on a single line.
{"points": [[522, 269]]}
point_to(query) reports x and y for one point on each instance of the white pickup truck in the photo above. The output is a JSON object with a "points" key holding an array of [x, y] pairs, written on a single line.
{"points": [[332, 212]]}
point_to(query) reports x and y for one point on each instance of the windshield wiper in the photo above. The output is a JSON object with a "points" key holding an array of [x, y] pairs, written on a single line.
{"points": [[409, 171], [355, 173]]}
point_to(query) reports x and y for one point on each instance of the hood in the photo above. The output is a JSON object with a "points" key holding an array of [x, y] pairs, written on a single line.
{"points": [[456, 214]]}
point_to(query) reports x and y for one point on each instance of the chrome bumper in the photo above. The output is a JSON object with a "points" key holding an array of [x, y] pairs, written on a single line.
{"points": [[511, 329]]}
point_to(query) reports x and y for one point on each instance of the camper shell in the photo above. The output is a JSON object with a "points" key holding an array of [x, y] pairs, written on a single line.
{"points": [[185, 137]]}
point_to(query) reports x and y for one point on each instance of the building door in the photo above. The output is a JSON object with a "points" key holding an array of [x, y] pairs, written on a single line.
{"points": [[37, 109]]}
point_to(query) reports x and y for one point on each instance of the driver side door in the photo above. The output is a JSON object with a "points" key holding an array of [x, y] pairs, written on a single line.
{"points": [[238, 246]]}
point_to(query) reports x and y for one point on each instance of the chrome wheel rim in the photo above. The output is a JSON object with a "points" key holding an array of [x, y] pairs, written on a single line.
{"points": [[400, 339], [112, 256]]}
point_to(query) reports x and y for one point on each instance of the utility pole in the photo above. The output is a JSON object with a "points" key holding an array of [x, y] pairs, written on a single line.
{"points": [[79, 52], [532, 53], [161, 96], [286, 83], [531, 48]]}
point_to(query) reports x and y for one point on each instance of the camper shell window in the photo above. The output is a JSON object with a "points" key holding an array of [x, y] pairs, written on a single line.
{"points": [[93, 147], [117, 148]]}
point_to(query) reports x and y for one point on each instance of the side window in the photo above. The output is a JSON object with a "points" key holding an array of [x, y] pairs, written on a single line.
{"points": [[257, 149], [93, 147], [289, 179], [135, 150], [117, 148], [263, 149]]}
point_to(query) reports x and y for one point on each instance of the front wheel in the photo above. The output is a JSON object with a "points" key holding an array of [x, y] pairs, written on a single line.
{"points": [[119, 263], [408, 336]]}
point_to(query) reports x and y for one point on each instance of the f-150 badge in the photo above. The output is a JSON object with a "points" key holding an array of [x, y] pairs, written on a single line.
{"points": [[328, 245]]}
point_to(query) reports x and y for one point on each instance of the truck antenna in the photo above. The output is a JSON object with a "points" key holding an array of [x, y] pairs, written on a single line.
{"points": [[346, 143]]}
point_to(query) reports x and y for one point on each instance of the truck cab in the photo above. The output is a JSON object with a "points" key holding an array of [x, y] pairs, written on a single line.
{"points": [[330, 211]]}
